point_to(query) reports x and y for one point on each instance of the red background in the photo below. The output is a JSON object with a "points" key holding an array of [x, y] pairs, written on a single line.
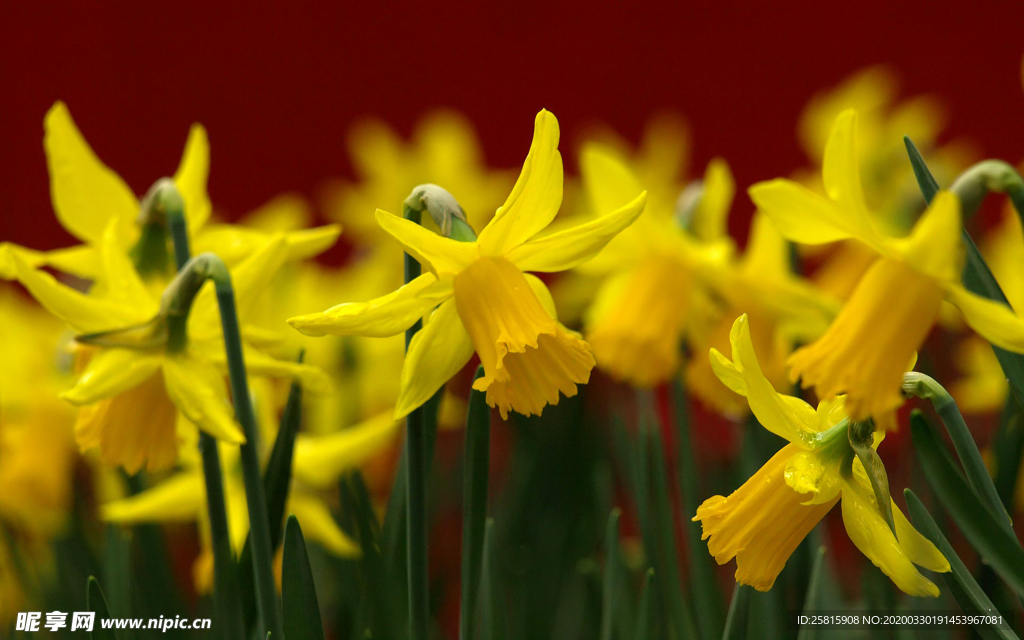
{"points": [[278, 89]]}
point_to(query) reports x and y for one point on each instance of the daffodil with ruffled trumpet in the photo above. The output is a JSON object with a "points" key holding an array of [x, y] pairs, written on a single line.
{"points": [[762, 522], [135, 365], [651, 273], [88, 197], [485, 301], [873, 340]]}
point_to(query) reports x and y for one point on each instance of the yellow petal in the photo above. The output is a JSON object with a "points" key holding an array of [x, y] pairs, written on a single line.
{"points": [[609, 182], [840, 170], [320, 461], [191, 176], [536, 196], [318, 525], [543, 294], [710, 219], [199, 391], [119, 280], [307, 243], [995, 321], [85, 193], [110, 372], [785, 416], [566, 249], [81, 312], [918, 548], [934, 245], [180, 498], [381, 317], [767, 254], [437, 352], [258, 363], [808, 218], [871, 534], [442, 255]]}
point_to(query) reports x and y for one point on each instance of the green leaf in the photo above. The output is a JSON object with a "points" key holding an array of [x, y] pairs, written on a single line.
{"points": [[493, 618], [474, 508], [707, 595], [643, 615], [1008, 446], [612, 570], [961, 583], [811, 599], [979, 525], [298, 592], [95, 602], [739, 613]]}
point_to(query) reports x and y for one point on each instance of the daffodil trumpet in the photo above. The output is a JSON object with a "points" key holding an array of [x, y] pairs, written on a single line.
{"points": [[927, 388]]}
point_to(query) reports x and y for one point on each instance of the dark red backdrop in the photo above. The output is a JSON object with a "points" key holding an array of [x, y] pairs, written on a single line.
{"points": [[278, 89]]}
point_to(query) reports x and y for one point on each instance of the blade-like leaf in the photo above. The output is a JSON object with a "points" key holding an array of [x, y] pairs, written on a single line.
{"points": [[611, 574], [643, 614], [810, 632], [493, 620], [298, 592], [739, 613], [979, 525], [96, 603], [474, 509]]}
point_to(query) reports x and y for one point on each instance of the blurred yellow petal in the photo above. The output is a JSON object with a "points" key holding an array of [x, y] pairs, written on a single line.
{"points": [[81, 312], [321, 460], [808, 218], [381, 317], [610, 183], [536, 196], [934, 245], [437, 352], [566, 249], [258, 363], [191, 177], [200, 392], [441, 255], [993, 320], [119, 279], [840, 171], [870, 532], [307, 243], [711, 217], [86, 194], [110, 372], [180, 498], [319, 525]]}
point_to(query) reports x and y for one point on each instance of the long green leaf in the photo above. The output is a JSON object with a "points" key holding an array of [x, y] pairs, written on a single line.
{"points": [[474, 508], [301, 611], [96, 603], [643, 614], [739, 614], [385, 620], [493, 619], [1008, 446], [961, 583], [811, 605], [707, 596], [979, 525], [611, 574]]}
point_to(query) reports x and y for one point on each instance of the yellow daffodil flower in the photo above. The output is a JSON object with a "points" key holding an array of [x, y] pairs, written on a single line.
{"points": [[131, 390], [486, 302], [762, 522], [87, 196], [443, 150], [783, 308], [651, 271], [872, 341]]}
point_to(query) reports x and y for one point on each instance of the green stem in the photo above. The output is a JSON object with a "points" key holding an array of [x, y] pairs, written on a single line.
{"points": [[925, 387], [474, 508], [224, 593], [416, 486]]}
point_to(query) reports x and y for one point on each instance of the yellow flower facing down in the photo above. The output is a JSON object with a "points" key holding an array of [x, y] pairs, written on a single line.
{"points": [[872, 341], [651, 272], [761, 523], [88, 196], [485, 301], [132, 386]]}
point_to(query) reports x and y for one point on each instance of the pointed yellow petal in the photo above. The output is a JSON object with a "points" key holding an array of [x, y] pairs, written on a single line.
{"points": [[118, 278], [934, 245], [199, 391], [258, 363], [808, 218], [191, 176], [536, 196], [440, 254], [712, 214], [437, 352], [609, 182], [995, 321], [381, 317], [180, 498], [307, 243], [81, 312], [840, 171], [566, 249], [767, 254], [871, 534], [318, 525], [110, 372], [320, 461], [918, 548]]}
